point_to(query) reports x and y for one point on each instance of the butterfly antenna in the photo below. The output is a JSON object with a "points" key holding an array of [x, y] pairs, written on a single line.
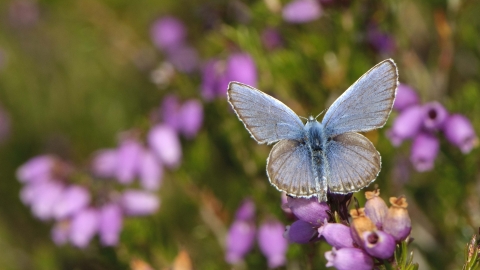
{"points": [[319, 114], [303, 117]]}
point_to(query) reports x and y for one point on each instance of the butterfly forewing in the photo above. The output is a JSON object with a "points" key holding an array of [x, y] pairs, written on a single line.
{"points": [[290, 169], [366, 104], [353, 162], [267, 119]]}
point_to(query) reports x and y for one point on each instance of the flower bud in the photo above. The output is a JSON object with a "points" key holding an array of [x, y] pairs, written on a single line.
{"points": [[241, 68], [110, 224], [349, 258], [309, 210], [139, 203], [301, 11], [240, 239], [397, 222], [405, 98], [406, 125], [435, 116], [459, 131], [168, 32], [375, 208], [84, 226], [39, 167], [424, 151], [337, 235], [300, 232], [360, 223], [128, 156], [246, 211], [272, 244], [379, 244], [284, 205]]}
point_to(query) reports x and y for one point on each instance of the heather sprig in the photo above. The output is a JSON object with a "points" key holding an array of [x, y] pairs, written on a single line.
{"points": [[374, 235]]}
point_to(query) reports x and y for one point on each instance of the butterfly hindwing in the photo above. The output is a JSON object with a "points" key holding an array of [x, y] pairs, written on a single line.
{"points": [[353, 162], [290, 169]]}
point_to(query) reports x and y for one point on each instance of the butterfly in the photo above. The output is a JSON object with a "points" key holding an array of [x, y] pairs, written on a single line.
{"points": [[314, 158]]}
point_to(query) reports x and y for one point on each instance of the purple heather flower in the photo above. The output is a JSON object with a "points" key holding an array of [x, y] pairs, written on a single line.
{"points": [[349, 258], [301, 232], [271, 242], [241, 68], [459, 131], [435, 116], [24, 13], [271, 38], [104, 163], [110, 224], [337, 235], [37, 168], [405, 98], [214, 79], [28, 192], [168, 32], [375, 208], [128, 157], [284, 205], [397, 222], [170, 111], [184, 58], [302, 11], [425, 148], [139, 203], [211, 79], [406, 125], [246, 211], [165, 144], [381, 41], [60, 232], [73, 199], [240, 240], [150, 171], [46, 198], [84, 225], [360, 224], [309, 210], [191, 115], [379, 244]]}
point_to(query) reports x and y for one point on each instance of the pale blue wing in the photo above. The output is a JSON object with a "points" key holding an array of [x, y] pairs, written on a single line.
{"points": [[267, 119], [353, 162], [290, 168], [366, 104]]}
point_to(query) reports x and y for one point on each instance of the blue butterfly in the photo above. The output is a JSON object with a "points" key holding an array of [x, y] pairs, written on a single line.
{"points": [[315, 158]]}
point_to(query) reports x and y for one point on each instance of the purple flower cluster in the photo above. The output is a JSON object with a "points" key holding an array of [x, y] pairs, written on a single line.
{"points": [[423, 123], [380, 40], [373, 233], [216, 74], [23, 13], [51, 195], [169, 35], [242, 233], [80, 211], [302, 11]]}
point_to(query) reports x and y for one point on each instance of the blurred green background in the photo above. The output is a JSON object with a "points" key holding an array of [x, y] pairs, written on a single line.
{"points": [[79, 73]]}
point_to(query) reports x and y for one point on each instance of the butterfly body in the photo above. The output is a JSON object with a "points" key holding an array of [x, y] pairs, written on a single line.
{"points": [[314, 158]]}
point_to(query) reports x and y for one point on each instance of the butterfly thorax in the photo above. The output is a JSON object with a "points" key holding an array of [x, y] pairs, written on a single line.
{"points": [[315, 135]]}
